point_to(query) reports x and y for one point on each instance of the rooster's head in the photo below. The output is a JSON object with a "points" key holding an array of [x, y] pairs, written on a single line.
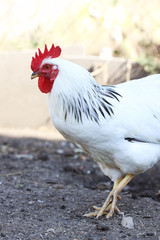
{"points": [[43, 68]]}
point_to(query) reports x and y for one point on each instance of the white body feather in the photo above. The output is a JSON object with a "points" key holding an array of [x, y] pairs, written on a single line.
{"points": [[136, 116]]}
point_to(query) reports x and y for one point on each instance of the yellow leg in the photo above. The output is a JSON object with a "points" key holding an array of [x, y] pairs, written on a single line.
{"points": [[117, 182], [99, 210], [117, 191], [110, 203]]}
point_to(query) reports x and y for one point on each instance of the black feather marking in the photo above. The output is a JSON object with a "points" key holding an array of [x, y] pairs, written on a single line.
{"points": [[110, 92], [96, 104], [76, 114], [136, 140], [116, 93], [106, 101], [106, 108], [86, 107], [63, 105], [112, 95], [155, 116], [69, 108], [72, 107], [111, 110], [101, 111], [79, 103], [80, 115], [95, 112], [132, 140], [65, 117], [108, 95]]}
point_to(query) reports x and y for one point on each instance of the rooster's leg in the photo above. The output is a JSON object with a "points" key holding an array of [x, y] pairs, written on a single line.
{"points": [[110, 203], [107, 202]]}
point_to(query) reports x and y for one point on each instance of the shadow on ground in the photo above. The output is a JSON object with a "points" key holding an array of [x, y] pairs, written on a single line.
{"points": [[47, 186]]}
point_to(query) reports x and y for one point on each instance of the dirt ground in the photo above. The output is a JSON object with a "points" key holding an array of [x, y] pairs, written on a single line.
{"points": [[47, 186]]}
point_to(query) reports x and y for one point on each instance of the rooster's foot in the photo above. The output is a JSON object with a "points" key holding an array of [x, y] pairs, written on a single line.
{"points": [[108, 207]]}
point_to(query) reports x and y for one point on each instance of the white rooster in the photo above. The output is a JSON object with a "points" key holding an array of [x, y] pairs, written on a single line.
{"points": [[118, 126]]}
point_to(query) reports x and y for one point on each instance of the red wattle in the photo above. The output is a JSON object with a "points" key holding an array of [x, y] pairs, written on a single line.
{"points": [[44, 84]]}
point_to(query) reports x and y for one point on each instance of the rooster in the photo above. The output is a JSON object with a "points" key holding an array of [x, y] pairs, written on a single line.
{"points": [[118, 126]]}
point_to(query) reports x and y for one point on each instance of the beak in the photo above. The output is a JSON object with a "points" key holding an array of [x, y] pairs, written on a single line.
{"points": [[34, 75]]}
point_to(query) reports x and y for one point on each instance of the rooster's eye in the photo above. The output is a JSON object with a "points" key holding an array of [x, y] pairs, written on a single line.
{"points": [[47, 66]]}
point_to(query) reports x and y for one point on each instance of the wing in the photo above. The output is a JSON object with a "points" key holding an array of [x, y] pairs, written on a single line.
{"points": [[138, 109]]}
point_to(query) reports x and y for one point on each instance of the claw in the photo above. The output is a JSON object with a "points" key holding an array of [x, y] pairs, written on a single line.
{"points": [[97, 208], [119, 197], [111, 211], [108, 207], [92, 214]]}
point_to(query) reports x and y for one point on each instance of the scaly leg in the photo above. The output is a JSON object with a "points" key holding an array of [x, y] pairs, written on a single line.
{"points": [[107, 202], [110, 203]]}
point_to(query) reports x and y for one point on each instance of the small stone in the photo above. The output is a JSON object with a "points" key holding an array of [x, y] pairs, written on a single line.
{"points": [[147, 216], [77, 150], [150, 234], [4, 149], [3, 235], [40, 219], [102, 227], [102, 185], [134, 196], [68, 168], [43, 155], [51, 230], [40, 201], [127, 222], [123, 236], [60, 151], [22, 210], [158, 194], [24, 156], [63, 207]]}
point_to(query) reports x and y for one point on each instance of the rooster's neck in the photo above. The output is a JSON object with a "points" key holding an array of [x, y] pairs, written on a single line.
{"points": [[76, 96], [92, 104]]}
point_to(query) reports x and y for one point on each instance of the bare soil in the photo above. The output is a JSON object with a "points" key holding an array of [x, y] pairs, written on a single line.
{"points": [[47, 186]]}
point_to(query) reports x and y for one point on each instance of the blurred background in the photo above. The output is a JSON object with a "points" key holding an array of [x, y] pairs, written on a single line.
{"points": [[116, 40]]}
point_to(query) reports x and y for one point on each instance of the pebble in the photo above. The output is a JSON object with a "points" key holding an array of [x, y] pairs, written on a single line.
{"points": [[127, 222], [4, 148], [60, 151], [63, 207], [77, 150], [102, 226], [24, 156], [158, 194], [68, 168], [3, 235], [43, 155], [102, 185], [51, 230], [134, 196], [150, 234], [40, 201], [22, 210], [147, 194]]}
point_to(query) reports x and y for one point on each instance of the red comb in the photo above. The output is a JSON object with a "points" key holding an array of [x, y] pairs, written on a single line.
{"points": [[54, 52]]}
